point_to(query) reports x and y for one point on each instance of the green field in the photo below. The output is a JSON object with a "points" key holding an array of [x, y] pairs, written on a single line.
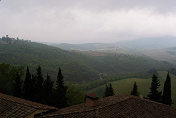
{"points": [[125, 86]]}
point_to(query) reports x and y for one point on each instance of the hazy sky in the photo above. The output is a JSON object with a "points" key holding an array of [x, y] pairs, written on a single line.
{"points": [[82, 21]]}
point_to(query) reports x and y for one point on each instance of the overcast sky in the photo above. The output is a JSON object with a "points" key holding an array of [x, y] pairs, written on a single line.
{"points": [[87, 21]]}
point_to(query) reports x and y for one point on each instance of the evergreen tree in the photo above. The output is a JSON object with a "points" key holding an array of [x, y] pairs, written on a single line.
{"points": [[60, 81], [154, 94], [61, 90], [111, 90], [47, 87], [39, 85], [167, 91], [135, 91], [17, 85], [27, 85], [106, 91], [33, 88]]}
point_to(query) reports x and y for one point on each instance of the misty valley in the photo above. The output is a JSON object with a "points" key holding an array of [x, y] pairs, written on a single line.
{"points": [[87, 59]]}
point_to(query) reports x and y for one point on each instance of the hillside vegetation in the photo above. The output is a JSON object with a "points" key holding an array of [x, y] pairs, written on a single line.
{"points": [[76, 67], [125, 86], [167, 54]]}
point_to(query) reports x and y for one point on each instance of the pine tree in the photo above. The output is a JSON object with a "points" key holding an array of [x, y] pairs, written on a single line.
{"points": [[167, 91], [27, 85], [33, 88], [111, 90], [17, 85], [135, 91], [39, 85], [106, 91], [154, 94], [47, 87], [61, 90]]}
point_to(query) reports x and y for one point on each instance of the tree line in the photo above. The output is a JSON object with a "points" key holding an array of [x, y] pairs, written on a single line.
{"points": [[154, 94], [38, 89]]}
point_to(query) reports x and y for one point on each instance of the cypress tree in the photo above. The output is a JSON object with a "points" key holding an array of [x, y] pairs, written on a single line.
{"points": [[47, 87], [111, 90], [61, 90], [17, 85], [135, 91], [27, 85], [106, 91], [33, 88], [39, 85], [154, 94], [167, 91]]}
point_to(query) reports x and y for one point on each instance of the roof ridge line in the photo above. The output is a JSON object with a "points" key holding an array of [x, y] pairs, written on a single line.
{"points": [[92, 109], [10, 98]]}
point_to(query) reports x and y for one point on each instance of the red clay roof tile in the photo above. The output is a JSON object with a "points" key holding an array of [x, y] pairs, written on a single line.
{"points": [[12, 107], [119, 106]]}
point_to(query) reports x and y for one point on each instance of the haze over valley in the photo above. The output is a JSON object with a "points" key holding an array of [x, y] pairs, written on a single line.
{"points": [[85, 56]]}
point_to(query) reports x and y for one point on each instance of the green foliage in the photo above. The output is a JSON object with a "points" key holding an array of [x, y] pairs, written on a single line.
{"points": [[77, 66], [47, 89], [60, 81], [167, 91], [38, 82], [135, 90], [38, 89], [154, 94], [7, 77], [17, 86], [61, 91], [109, 91], [124, 85], [106, 91], [74, 95], [27, 88]]}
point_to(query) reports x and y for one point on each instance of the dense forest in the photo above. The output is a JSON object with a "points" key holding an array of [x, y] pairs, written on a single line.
{"points": [[38, 87]]}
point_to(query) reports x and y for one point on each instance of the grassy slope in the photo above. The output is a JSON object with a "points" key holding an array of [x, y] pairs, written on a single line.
{"points": [[76, 66], [125, 86]]}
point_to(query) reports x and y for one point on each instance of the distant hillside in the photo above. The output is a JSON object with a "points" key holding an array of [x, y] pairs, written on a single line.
{"points": [[128, 46], [77, 67], [98, 47], [166, 54], [150, 43]]}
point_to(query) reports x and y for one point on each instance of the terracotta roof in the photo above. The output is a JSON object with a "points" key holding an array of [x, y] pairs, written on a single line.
{"points": [[12, 107], [92, 95], [119, 106]]}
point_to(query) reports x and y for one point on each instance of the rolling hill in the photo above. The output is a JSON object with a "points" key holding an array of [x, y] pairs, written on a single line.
{"points": [[165, 54], [77, 67], [125, 86], [127, 46]]}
